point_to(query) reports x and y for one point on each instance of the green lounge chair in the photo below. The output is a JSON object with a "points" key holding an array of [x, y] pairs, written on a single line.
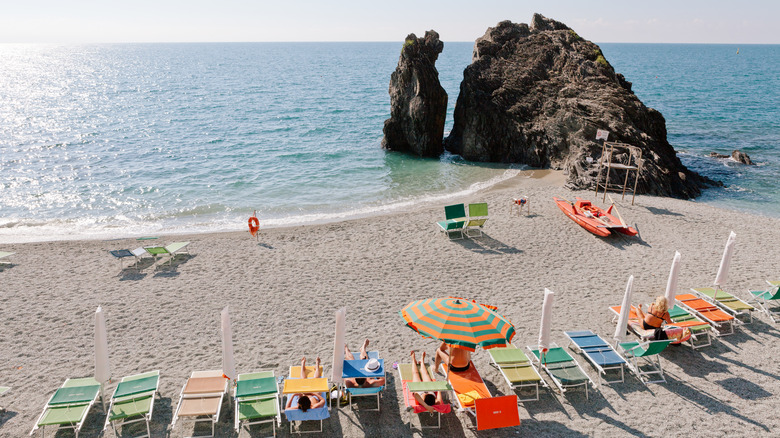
{"points": [[3, 255], [133, 401], [701, 331], [257, 400], [170, 250], [562, 368], [69, 405], [517, 369], [634, 351], [3, 390], [478, 215], [455, 219], [763, 298], [729, 303]]}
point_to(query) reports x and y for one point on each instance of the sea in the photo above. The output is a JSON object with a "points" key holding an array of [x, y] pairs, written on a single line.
{"points": [[121, 140]]}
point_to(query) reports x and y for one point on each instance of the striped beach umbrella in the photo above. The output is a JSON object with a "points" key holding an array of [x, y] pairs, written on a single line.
{"points": [[459, 323]]}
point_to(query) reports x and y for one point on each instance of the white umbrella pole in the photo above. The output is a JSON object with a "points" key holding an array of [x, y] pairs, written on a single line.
{"points": [[228, 361], [625, 309], [671, 284], [725, 262], [546, 323], [102, 365], [338, 347]]}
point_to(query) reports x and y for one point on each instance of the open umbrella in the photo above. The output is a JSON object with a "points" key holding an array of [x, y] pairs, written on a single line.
{"points": [[725, 262], [671, 284], [458, 322], [102, 366], [625, 309], [546, 324]]}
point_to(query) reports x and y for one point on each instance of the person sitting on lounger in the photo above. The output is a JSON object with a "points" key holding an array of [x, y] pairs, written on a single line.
{"points": [[309, 400], [361, 382], [655, 317], [420, 374], [460, 361]]}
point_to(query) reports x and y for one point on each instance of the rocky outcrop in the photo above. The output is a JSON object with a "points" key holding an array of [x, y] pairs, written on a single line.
{"points": [[741, 157], [738, 156], [537, 94], [418, 102]]}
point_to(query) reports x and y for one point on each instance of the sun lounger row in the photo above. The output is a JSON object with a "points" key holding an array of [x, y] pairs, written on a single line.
{"points": [[457, 221], [151, 252]]}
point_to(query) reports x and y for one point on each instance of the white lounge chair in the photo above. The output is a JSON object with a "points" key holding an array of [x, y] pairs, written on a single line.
{"points": [[3, 255], [170, 250]]}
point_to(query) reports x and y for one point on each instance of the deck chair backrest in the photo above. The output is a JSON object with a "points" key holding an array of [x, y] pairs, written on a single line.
{"points": [[497, 412], [477, 210], [456, 211], [655, 347]]}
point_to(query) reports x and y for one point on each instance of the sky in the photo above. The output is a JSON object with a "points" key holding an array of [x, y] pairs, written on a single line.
{"points": [[106, 21]]}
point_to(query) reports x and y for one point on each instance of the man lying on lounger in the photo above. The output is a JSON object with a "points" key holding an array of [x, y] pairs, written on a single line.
{"points": [[420, 374], [309, 400], [362, 382]]}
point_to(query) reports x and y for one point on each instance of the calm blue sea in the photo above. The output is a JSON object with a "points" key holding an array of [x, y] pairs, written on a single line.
{"points": [[115, 140]]}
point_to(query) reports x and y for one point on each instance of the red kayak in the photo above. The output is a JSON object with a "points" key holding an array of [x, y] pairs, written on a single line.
{"points": [[594, 219]]}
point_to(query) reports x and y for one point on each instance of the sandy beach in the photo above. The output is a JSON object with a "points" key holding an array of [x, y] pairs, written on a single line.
{"points": [[284, 290]]}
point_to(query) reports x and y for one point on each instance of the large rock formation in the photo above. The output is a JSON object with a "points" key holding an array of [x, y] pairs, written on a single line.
{"points": [[418, 103], [536, 95]]}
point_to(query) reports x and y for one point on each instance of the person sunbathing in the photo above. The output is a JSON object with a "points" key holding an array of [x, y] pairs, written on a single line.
{"points": [[420, 374], [307, 401], [372, 365], [458, 363], [655, 317]]}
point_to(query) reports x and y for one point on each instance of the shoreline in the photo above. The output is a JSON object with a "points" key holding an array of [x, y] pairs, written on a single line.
{"points": [[283, 291]]}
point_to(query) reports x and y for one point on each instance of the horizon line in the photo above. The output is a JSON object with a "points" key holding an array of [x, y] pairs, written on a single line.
{"points": [[342, 42]]}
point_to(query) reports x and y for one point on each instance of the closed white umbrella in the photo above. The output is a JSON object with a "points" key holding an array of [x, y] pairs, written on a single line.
{"points": [[338, 345], [625, 308], [544, 328], [725, 262], [102, 366], [671, 284], [228, 363]]}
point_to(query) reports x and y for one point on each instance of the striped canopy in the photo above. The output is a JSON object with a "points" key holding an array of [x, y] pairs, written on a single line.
{"points": [[458, 322]]}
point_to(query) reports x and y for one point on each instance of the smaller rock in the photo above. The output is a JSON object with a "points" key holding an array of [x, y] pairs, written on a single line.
{"points": [[717, 155], [741, 157]]}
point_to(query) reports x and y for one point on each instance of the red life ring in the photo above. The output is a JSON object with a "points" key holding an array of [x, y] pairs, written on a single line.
{"points": [[254, 225]]}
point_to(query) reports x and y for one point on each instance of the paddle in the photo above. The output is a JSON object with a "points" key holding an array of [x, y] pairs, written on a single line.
{"points": [[617, 212]]}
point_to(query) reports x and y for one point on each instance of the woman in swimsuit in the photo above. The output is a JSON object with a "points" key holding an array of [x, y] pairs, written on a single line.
{"points": [[309, 400], [655, 317], [458, 363], [420, 374]]}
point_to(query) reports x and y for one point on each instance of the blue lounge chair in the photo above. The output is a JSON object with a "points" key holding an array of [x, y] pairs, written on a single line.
{"points": [[598, 352], [357, 369]]}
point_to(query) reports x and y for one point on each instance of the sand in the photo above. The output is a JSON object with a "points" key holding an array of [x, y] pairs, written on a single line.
{"points": [[284, 290]]}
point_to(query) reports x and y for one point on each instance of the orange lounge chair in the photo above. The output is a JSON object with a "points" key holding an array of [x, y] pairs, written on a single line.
{"points": [[467, 387], [700, 330], [473, 397], [722, 321], [201, 398]]}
